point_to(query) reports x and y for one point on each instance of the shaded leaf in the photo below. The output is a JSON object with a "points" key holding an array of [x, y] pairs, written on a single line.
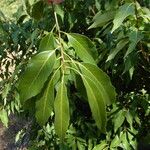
{"points": [[61, 107], [37, 10], [83, 46], [102, 19], [35, 75], [44, 105], [124, 11], [117, 49], [96, 103], [47, 43], [134, 38]]}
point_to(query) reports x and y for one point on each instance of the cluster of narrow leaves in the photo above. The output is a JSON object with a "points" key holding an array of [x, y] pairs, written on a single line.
{"points": [[48, 74], [127, 25]]}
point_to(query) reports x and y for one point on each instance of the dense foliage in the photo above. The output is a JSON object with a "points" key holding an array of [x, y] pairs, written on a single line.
{"points": [[59, 64]]}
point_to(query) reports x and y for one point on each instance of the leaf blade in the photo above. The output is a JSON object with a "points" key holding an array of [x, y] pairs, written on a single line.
{"points": [[124, 11], [44, 105], [35, 75], [61, 107], [83, 47], [47, 43]]}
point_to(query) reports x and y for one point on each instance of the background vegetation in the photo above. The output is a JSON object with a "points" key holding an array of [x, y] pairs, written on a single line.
{"points": [[118, 31]]}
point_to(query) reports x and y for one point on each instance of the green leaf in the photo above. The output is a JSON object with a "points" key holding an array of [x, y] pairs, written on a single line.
{"points": [[134, 38], [101, 80], [47, 43], [37, 10], [119, 119], [4, 117], [102, 19], [115, 142], [117, 49], [125, 141], [99, 91], [124, 11], [45, 104], [83, 46], [35, 75], [96, 103], [61, 107], [129, 118], [101, 146]]}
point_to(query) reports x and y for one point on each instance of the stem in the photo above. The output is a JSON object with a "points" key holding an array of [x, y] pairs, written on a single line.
{"points": [[59, 36], [59, 39]]}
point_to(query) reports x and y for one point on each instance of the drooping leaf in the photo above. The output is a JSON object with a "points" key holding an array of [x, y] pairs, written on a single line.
{"points": [[117, 49], [102, 19], [134, 38], [44, 105], [61, 107], [4, 117], [37, 10], [35, 75], [124, 11], [47, 43], [96, 103], [83, 46], [102, 81]]}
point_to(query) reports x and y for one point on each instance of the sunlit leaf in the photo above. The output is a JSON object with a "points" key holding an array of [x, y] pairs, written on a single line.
{"points": [[4, 117], [35, 75], [101, 146], [61, 107], [119, 119], [115, 142]]}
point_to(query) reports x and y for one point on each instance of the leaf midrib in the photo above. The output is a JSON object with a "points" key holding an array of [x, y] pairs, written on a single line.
{"points": [[40, 70]]}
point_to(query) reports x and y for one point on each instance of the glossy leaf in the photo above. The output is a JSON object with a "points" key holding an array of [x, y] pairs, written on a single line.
{"points": [[99, 91], [83, 47], [61, 107], [102, 19], [47, 43], [45, 104], [101, 80], [124, 11], [35, 75], [96, 103]]}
